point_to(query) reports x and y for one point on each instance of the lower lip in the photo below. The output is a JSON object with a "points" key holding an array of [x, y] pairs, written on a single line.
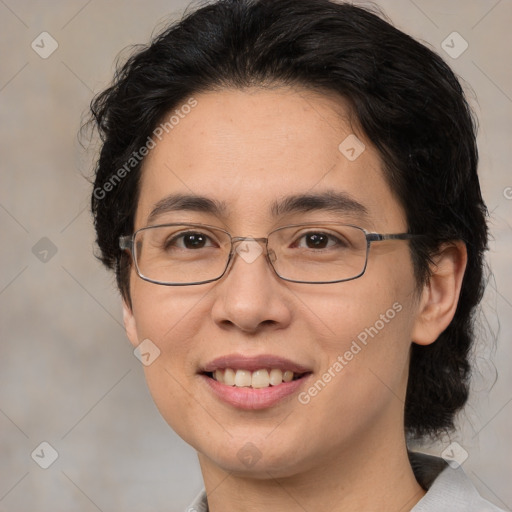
{"points": [[254, 398]]}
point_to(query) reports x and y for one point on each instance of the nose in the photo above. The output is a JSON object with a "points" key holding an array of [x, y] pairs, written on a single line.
{"points": [[251, 297]]}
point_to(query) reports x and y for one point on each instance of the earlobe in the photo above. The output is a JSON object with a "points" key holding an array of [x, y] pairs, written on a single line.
{"points": [[440, 295], [130, 324]]}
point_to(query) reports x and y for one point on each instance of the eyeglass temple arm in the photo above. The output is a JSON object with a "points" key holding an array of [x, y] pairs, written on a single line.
{"points": [[376, 237]]}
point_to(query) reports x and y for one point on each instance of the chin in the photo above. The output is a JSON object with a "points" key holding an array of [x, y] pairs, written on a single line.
{"points": [[256, 460]]}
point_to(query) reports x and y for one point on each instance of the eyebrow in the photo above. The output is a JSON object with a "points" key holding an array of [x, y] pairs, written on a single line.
{"points": [[184, 202], [338, 202]]}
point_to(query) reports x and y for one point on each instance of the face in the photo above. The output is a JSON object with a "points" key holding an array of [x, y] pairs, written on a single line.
{"points": [[347, 343]]}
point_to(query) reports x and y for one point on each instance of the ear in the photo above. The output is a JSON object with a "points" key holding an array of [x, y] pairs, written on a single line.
{"points": [[130, 324], [440, 296]]}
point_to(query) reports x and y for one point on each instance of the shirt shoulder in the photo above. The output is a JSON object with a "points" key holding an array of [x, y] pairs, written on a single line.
{"points": [[448, 489], [200, 504]]}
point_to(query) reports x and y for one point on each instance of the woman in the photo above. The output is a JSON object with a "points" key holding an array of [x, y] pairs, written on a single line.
{"points": [[287, 192]]}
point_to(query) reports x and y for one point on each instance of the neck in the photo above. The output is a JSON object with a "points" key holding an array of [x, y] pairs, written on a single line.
{"points": [[364, 476]]}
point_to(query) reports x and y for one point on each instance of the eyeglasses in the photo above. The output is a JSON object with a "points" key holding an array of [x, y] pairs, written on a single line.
{"points": [[312, 253]]}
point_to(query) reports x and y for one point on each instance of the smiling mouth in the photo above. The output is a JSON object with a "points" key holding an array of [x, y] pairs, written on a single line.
{"points": [[262, 378]]}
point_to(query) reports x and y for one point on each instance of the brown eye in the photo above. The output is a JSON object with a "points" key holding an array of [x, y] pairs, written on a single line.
{"points": [[316, 240], [194, 240], [189, 240]]}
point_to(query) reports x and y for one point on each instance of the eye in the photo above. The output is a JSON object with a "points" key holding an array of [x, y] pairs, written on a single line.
{"points": [[189, 240], [317, 240]]}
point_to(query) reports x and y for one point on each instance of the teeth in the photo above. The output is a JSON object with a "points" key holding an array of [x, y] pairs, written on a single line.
{"points": [[229, 376], [276, 377], [259, 379], [242, 378], [287, 376]]}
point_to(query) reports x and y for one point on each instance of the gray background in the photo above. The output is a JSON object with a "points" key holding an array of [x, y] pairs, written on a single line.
{"points": [[68, 375]]}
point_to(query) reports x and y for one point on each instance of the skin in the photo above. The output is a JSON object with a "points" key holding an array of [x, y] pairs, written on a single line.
{"points": [[345, 449]]}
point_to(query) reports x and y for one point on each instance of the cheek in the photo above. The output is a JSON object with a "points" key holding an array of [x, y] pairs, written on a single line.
{"points": [[369, 321], [360, 309], [167, 315], [171, 318], [364, 373], [366, 330]]}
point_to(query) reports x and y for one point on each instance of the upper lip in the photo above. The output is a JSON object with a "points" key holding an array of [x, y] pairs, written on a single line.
{"points": [[253, 363]]}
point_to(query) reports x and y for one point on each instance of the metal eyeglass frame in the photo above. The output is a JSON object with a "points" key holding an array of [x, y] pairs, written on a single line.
{"points": [[126, 243]]}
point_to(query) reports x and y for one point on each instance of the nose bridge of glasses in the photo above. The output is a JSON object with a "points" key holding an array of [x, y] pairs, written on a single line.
{"points": [[260, 240], [249, 248]]}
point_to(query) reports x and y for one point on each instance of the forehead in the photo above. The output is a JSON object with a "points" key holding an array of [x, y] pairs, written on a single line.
{"points": [[250, 150]]}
